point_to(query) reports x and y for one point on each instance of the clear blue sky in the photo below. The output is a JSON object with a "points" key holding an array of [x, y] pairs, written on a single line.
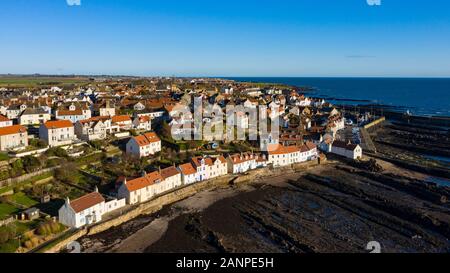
{"points": [[226, 38]]}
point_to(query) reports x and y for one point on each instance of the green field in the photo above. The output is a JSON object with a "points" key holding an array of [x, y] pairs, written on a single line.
{"points": [[40, 81], [22, 199], [6, 210], [31, 180], [4, 157], [10, 246]]}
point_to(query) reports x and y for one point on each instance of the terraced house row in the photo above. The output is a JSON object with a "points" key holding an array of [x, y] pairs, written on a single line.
{"points": [[89, 209]]}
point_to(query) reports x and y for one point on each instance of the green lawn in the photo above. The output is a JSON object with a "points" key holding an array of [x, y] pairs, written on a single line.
{"points": [[10, 246], [22, 199], [6, 210], [3, 157], [31, 180], [34, 81]]}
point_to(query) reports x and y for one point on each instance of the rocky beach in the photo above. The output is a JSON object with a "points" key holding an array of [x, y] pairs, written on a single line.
{"points": [[332, 208]]}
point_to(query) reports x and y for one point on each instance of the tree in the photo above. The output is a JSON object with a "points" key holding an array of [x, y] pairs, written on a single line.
{"points": [[31, 164], [67, 172], [166, 131], [58, 151], [38, 143], [17, 168]]}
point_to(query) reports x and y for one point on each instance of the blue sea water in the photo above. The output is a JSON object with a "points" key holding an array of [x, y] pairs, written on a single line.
{"points": [[421, 96]]}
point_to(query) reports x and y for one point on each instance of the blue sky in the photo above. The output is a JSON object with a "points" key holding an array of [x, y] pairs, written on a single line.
{"points": [[226, 38]]}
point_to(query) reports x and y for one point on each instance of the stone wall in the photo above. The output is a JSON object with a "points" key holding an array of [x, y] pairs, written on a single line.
{"points": [[374, 123], [13, 181]]}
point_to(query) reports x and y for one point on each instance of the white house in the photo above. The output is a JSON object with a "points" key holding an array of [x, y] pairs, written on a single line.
{"points": [[5, 122], [107, 109], [142, 123], [346, 149], [171, 177], [74, 113], [57, 133], [188, 173], [124, 122], [141, 189], [251, 103], [209, 167], [153, 115], [85, 210], [308, 151], [13, 111], [33, 116], [13, 137], [144, 145], [241, 163], [94, 128], [280, 155]]}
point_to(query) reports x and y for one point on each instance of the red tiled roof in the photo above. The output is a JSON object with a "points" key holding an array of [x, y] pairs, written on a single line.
{"points": [[345, 145], [95, 119], [277, 149], [187, 169], [169, 172], [124, 118], [86, 201], [57, 124], [142, 182], [240, 158], [78, 112], [146, 139], [3, 118], [10, 130]]}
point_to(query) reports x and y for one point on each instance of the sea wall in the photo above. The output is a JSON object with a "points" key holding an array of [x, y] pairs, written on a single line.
{"points": [[374, 123]]}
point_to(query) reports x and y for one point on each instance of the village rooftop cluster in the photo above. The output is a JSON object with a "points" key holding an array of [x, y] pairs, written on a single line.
{"points": [[105, 122]]}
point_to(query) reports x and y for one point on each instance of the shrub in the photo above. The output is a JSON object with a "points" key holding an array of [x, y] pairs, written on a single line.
{"points": [[35, 241], [31, 164], [28, 244], [38, 143], [57, 151], [6, 233], [44, 229], [97, 144], [17, 168], [28, 235], [54, 227], [67, 173]]}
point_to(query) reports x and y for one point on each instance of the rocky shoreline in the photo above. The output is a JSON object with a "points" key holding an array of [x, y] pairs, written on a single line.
{"points": [[327, 210], [331, 208]]}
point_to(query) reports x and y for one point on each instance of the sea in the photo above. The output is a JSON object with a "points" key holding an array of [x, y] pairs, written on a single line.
{"points": [[418, 96]]}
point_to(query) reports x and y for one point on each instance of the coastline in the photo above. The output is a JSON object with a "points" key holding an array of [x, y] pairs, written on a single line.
{"points": [[145, 235], [227, 218]]}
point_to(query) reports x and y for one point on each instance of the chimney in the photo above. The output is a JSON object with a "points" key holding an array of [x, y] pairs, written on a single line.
{"points": [[96, 189], [68, 200]]}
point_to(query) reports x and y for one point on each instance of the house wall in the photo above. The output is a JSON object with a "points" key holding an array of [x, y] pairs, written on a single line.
{"points": [[34, 119], [57, 137], [357, 153], [13, 141], [6, 123]]}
